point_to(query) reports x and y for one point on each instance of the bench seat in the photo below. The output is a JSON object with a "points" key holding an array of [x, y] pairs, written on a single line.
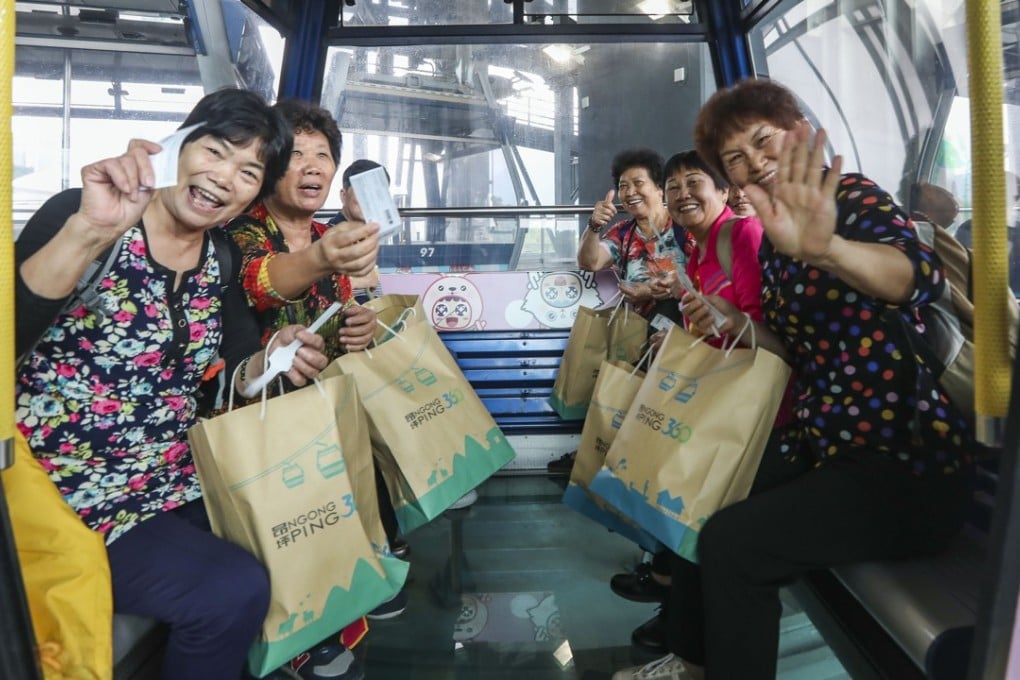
{"points": [[513, 374], [917, 601]]}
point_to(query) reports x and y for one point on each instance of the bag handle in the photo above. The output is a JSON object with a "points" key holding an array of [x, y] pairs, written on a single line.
{"points": [[621, 303], [394, 331], [748, 324], [265, 388], [644, 357]]}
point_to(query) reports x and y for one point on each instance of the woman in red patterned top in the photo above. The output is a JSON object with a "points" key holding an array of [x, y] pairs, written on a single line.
{"points": [[293, 267], [647, 249]]}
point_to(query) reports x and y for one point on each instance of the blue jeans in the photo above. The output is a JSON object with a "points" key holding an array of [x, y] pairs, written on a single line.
{"points": [[213, 594]]}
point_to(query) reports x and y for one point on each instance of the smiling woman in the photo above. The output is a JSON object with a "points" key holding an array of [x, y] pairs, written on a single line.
{"points": [[105, 399], [646, 249]]}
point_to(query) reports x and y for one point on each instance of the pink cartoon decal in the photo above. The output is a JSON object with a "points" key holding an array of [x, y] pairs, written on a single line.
{"points": [[453, 304], [553, 298]]}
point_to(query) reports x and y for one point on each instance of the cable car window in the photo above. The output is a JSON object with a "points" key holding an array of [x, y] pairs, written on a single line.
{"points": [[914, 122], [89, 80], [498, 126], [443, 13]]}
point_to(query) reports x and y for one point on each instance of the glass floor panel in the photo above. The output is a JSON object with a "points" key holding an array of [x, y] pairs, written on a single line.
{"points": [[517, 586]]}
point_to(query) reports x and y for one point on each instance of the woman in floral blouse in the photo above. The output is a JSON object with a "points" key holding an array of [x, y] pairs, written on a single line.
{"points": [[294, 267], [105, 395], [877, 459]]}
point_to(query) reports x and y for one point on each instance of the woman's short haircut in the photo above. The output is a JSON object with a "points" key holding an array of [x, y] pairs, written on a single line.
{"points": [[730, 110], [307, 117], [240, 116], [628, 159], [692, 160]]}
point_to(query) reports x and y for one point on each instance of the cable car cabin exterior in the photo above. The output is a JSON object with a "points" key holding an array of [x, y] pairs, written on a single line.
{"points": [[497, 121]]}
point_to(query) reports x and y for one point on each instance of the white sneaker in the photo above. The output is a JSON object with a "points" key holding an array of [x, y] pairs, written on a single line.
{"points": [[465, 501], [669, 667]]}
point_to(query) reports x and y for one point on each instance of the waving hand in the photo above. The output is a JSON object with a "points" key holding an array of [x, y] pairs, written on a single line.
{"points": [[800, 215]]}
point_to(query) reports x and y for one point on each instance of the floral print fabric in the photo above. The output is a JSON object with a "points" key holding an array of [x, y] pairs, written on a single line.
{"points": [[858, 383], [640, 259], [259, 239], [105, 403]]}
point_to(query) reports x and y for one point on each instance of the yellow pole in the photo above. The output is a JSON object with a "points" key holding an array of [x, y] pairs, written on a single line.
{"points": [[7, 18], [990, 272]]}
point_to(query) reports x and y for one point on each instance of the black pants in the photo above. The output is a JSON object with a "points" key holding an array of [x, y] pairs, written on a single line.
{"points": [[386, 513], [724, 613]]}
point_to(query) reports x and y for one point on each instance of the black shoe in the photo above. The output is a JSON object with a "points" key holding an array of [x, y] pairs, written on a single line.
{"points": [[639, 586], [650, 635], [562, 465], [400, 549]]}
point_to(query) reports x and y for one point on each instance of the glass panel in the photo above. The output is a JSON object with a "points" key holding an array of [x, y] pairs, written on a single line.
{"points": [[458, 128], [911, 59], [441, 13], [113, 98], [117, 94], [259, 54]]}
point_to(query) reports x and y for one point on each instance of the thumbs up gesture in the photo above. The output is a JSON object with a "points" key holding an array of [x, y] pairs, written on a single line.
{"points": [[603, 212]]}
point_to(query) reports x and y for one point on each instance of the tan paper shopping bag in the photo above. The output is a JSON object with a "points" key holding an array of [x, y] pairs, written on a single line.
{"points": [[693, 438], [614, 333], [295, 487], [431, 434], [394, 309], [615, 388]]}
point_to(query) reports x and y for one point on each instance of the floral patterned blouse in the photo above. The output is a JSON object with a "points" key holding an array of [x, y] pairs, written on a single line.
{"points": [[260, 239], [639, 259], [105, 403], [858, 384]]}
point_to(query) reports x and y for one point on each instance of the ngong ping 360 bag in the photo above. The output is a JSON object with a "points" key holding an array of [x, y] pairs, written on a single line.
{"points": [[617, 384], [693, 438], [431, 434], [291, 481], [615, 333]]}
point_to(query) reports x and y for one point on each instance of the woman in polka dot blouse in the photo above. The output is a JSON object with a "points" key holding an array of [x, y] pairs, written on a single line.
{"points": [[877, 464]]}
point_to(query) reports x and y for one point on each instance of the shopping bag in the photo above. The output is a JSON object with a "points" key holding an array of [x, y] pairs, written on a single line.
{"points": [[609, 333], [433, 438], [392, 310], [615, 388], [291, 481], [693, 438], [65, 572]]}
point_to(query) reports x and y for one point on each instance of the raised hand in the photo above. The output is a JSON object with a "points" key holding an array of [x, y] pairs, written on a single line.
{"points": [[799, 216], [115, 193], [351, 249], [604, 210]]}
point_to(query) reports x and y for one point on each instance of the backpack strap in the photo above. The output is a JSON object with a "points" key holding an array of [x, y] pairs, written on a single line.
{"points": [[724, 246], [222, 244], [87, 290]]}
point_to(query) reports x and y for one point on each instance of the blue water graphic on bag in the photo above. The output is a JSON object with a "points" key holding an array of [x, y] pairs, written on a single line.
{"points": [[659, 516], [575, 497]]}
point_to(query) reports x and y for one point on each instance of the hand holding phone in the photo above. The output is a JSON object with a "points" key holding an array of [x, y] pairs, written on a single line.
{"points": [[718, 318]]}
